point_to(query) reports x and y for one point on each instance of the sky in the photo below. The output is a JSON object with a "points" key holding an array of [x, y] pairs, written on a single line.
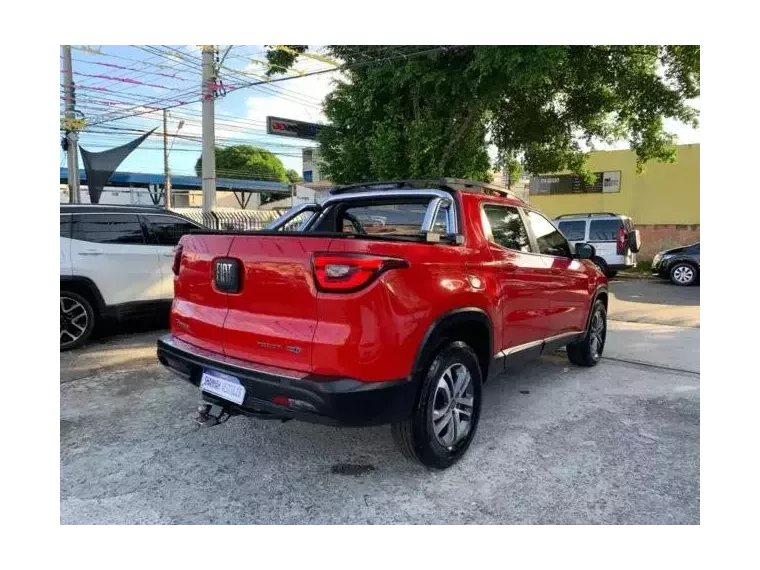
{"points": [[114, 81]]}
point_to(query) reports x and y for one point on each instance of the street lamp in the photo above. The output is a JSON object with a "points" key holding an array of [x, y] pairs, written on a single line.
{"points": [[167, 150]]}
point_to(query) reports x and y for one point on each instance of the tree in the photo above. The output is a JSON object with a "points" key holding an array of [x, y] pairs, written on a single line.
{"points": [[398, 114], [250, 163], [293, 176]]}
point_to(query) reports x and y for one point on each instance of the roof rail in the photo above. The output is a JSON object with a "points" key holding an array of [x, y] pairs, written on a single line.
{"points": [[587, 215], [451, 184]]}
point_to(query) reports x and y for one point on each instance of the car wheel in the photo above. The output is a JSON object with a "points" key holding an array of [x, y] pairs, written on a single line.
{"points": [[588, 351], [683, 274], [610, 274], [447, 413], [601, 264], [77, 320]]}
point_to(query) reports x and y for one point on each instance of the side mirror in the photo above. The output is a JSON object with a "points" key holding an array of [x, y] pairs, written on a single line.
{"points": [[585, 251]]}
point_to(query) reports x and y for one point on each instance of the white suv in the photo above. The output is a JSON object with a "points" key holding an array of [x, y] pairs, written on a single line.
{"points": [[115, 261], [613, 236]]}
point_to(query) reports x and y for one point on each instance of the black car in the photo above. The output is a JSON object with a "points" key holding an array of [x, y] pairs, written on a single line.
{"points": [[680, 264]]}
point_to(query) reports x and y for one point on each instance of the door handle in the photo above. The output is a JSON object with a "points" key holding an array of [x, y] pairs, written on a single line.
{"points": [[170, 254], [91, 252]]}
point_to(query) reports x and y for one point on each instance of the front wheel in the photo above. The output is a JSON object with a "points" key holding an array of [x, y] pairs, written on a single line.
{"points": [[447, 414], [683, 274], [588, 350]]}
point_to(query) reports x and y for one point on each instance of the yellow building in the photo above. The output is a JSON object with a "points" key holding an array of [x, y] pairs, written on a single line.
{"points": [[663, 201]]}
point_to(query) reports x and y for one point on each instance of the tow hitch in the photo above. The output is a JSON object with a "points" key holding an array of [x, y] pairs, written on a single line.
{"points": [[211, 414]]}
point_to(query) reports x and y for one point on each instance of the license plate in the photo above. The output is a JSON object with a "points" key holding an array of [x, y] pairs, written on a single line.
{"points": [[223, 385]]}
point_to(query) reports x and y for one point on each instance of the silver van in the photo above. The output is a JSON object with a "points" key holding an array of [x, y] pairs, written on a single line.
{"points": [[613, 236]]}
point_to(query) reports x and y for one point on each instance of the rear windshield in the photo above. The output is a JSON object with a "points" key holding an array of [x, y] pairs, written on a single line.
{"points": [[389, 219], [574, 231], [604, 230]]}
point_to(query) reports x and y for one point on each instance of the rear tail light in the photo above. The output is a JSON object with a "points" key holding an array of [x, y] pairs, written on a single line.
{"points": [[177, 259], [621, 240], [350, 272]]}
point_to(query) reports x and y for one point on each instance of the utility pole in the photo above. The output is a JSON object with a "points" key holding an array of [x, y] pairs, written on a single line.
{"points": [[207, 157], [167, 177], [72, 136]]}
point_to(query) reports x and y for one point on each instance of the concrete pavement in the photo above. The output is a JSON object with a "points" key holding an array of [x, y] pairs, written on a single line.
{"points": [[617, 443], [557, 444], [660, 345]]}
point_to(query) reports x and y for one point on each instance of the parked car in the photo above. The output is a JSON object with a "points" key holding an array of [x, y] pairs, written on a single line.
{"points": [[115, 261], [616, 240], [344, 323], [680, 265]]}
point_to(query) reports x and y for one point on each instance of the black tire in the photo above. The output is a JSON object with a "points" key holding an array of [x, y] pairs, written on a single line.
{"points": [[76, 312], [588, 351], [601, 264], [416, 437], [684, 274]]}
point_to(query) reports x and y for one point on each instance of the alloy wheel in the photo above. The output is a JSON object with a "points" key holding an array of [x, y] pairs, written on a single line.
{"points": [[597, 335], [453, 405], [683, 274], [74, 320]]}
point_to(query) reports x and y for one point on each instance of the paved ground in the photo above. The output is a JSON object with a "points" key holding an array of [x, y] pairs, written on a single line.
{"points": [[654, 301], [618, 443]]}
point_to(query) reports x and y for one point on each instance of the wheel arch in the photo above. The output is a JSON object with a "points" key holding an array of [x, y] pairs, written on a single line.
{"points": [[601, 294], [85, 287], [469, 324]]}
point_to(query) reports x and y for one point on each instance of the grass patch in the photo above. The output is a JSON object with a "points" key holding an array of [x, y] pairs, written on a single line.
{"points": [[642, 269]]}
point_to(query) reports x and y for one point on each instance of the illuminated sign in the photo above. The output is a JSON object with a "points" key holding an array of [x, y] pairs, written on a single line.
{"points": [[291, 128]]}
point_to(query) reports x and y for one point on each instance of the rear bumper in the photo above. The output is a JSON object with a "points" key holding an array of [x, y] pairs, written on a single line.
{"points": [[328, 400]]}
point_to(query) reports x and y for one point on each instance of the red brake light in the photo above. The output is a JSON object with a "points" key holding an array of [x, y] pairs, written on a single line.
{"points": [[621, 240], [177, 259], [349, 272]]}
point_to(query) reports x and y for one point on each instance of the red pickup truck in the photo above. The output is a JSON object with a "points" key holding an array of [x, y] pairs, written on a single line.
{"points": [[383, 303]]}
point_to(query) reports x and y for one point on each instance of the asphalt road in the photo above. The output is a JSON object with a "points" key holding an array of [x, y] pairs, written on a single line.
{"points": [[618, 443], [654, 301]]}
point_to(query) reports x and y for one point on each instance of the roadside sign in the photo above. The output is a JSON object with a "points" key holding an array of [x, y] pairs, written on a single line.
{"points": [[291, 128]]}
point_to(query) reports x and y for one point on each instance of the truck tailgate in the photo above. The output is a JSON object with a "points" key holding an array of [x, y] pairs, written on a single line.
{"points": [[273, 318], [199, 309]]}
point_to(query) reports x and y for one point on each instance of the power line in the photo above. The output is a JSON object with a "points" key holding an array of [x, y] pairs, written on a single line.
{"points": [[288, 78]]}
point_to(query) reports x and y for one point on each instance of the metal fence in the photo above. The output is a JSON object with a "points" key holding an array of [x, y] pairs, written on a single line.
{"points": [[231, 220]]}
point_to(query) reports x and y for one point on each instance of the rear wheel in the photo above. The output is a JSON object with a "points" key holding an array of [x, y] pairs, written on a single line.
{"points": [[588, 351], [604, 268], [683, 274], [77, 320], [448, 411]]}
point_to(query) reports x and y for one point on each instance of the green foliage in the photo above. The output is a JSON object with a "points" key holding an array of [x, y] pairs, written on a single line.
{"points": [[247, 162], [435, 114], [293, 176]]}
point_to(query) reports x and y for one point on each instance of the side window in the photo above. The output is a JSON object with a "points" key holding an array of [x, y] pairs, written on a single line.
{"points": [[66, 225], [108, 228], [549, 239], [603, 230], [573, 230], [167, 230], [507, 228]]}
